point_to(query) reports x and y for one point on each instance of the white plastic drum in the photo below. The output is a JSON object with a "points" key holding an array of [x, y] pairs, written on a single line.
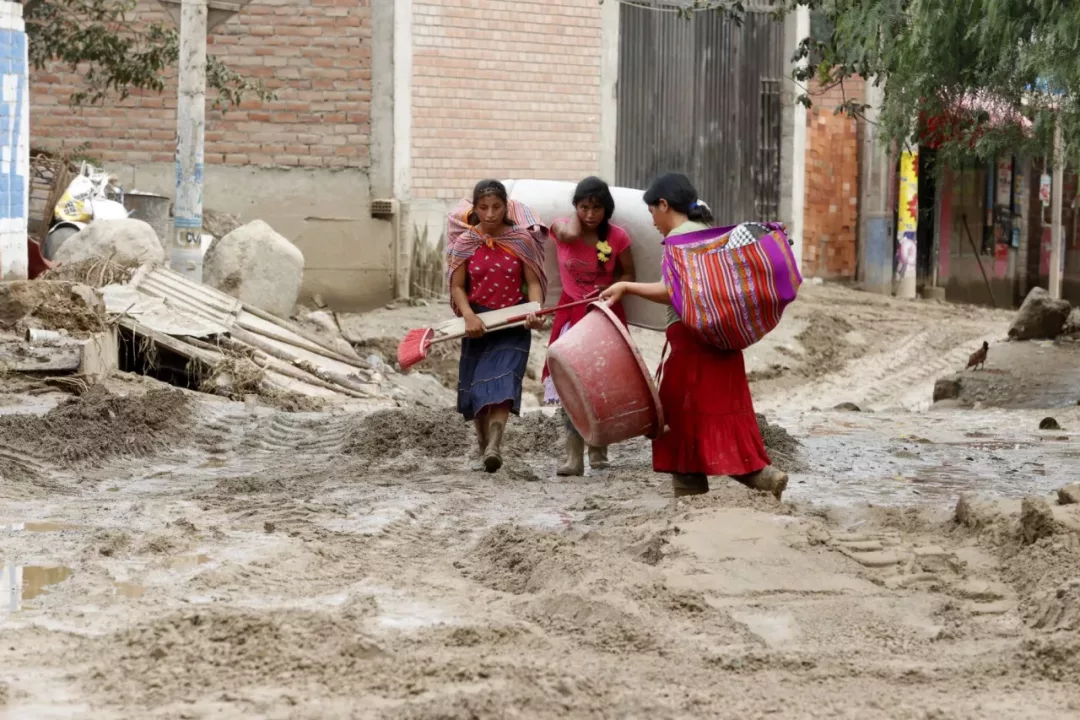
{"points": [[551, 200]]}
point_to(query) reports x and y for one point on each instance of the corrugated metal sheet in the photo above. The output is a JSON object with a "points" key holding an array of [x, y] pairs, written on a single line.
{"points": [[166, 302], [702, 96], [200, 301]]}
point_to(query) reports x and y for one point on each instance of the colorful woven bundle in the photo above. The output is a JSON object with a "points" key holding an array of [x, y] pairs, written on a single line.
{"points": [[730, 285]]}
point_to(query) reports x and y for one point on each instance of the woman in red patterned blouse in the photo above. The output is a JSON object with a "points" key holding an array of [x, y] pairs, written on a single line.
{"points": [[495, 260]]}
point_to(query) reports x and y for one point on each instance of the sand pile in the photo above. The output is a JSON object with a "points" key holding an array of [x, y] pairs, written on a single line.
{"points": [[441, 433], [191, 654], [392, 433], [518, 560], [20, 479], [99, 425], [825, 344], [782, 447]]}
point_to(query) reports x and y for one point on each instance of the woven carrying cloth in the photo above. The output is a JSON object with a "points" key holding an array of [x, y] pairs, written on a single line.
{"points": [[730, 285], [524, 240]]}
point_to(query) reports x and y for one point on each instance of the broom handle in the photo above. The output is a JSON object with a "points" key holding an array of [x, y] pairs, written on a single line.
{"points": [[519, 318]]}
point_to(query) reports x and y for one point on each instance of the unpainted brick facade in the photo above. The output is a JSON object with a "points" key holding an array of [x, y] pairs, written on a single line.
{"points": [[505, 89], [315, 54], [831, 212]]}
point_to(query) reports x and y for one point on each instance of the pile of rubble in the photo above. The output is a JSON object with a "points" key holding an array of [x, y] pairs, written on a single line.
{"points": [[106, 302]]}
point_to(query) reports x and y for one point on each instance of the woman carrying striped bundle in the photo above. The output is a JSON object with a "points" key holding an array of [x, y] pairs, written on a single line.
{"points": [[495, 260], [703, 389]]}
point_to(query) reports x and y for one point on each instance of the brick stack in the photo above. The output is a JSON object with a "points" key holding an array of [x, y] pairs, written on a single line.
{"points": [[316, 54], [504, 88], [14, 143], [831, 213]]}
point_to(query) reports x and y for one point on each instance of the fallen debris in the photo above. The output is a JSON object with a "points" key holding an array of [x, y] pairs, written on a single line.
{"points": [[94, 272], [1040, 317], [50, 305], [257, 265]]}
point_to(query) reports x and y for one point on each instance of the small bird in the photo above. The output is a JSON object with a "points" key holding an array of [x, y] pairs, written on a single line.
{"points": [[978, 358]]}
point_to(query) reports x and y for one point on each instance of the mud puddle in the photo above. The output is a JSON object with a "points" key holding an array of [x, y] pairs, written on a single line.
{"points": [[40, 527], [187, 562], [26, 582], [129, 590], [926, 458]]}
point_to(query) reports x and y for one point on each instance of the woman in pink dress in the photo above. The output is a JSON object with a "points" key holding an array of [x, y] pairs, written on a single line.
{"points": [[593, 255]]}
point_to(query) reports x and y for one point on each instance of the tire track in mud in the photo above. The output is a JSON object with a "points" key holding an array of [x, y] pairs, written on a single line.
{"points": [[902, 375]]}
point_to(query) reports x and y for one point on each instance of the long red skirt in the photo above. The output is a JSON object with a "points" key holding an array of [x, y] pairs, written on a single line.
{"points": [[707, 407]]}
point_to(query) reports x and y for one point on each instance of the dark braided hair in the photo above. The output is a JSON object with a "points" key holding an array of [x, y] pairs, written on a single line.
{"points": [[681, 196], [593, 188]]}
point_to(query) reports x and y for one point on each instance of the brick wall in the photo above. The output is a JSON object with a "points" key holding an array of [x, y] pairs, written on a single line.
{"points": [[831, 214], [316, 54], [504, 88]]}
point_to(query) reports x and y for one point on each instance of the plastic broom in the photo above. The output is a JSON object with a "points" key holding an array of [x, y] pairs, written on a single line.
{"points": [[414, 346]]}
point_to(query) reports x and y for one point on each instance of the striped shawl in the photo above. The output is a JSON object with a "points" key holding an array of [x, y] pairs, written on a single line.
{"points": [[524, 240]]}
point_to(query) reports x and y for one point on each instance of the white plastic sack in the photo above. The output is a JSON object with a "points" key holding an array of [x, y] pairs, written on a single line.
{"points": [[76, 204], [108, 210]]}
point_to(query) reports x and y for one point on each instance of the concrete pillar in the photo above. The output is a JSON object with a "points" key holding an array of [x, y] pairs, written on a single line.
{"points": [[1057, 243], [14, 143], [875, 209], [609, 88], [391, 125], [795, 140]]}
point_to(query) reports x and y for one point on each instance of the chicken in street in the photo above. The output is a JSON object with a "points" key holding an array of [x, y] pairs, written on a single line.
{"points": [[978, 358]]}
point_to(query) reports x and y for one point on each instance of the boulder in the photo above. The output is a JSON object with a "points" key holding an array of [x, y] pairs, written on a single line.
{"points": [[1069, 495], [219, 224], [257, 265], [1040, 317], [125, 242]]}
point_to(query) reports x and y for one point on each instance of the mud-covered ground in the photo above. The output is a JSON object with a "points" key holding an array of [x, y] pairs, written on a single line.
{"points": [[167, 556]]}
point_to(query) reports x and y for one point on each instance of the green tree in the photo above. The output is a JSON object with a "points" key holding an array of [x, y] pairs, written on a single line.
{"points": [[96, 39], [977, 63], [964, 60]]}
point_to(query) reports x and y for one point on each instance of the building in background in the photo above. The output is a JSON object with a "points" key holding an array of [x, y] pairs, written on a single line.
{"points": [[14, 143], [834, 143], [387, 112]]}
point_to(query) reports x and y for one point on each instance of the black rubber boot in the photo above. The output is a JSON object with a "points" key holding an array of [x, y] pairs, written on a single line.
{"points": [[493, 454]]}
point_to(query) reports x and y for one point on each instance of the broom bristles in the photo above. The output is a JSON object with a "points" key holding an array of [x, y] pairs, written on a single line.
{"points": [[413, 348]]}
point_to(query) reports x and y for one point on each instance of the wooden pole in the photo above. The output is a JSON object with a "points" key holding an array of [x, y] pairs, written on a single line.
{"points": [[1056, 190], [186, 256]]}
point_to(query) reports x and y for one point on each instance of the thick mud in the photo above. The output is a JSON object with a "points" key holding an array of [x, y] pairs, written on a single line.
{"points": [[312, 565], [99, 425]]}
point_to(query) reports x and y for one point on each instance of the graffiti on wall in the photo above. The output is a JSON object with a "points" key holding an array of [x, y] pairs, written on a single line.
{"points": [[908, 213]]}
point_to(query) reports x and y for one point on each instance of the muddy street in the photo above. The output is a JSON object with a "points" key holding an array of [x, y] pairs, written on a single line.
{"points": [[172, 555]]}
